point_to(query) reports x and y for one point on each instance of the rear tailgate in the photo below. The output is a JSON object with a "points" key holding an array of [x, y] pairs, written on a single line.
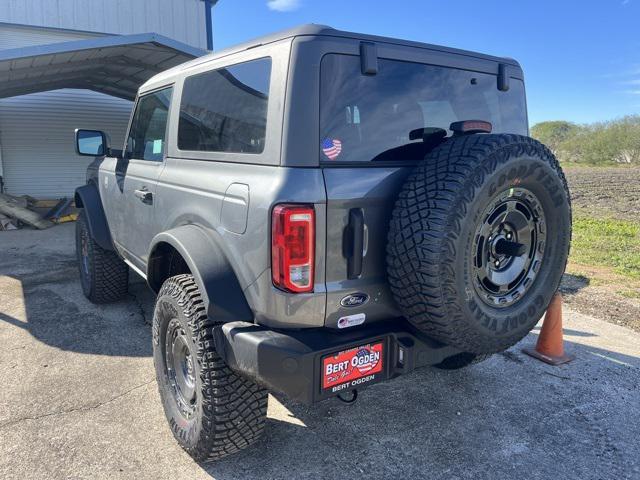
{"points": [[359, 204], [373, 129]]}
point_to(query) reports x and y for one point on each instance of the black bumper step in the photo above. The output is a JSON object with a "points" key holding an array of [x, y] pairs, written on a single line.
{"points": [[291, 361]]}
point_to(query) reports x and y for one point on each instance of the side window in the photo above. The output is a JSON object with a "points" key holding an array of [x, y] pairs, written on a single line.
{"points": [[225, 110], [146, 139]]}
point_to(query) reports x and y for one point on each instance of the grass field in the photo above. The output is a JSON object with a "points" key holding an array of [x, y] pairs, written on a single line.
{"points": [[608, 243]]}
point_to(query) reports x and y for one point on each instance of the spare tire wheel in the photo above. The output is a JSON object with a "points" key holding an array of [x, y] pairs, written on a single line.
{"points": [[479, 240]]}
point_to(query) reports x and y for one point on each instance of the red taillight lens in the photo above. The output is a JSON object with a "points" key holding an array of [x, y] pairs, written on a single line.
{"points": [[471, 126], [293, 247]]}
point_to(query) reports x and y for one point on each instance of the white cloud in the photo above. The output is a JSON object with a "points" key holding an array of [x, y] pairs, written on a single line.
{"points": [[283, 5], [628, 80]]}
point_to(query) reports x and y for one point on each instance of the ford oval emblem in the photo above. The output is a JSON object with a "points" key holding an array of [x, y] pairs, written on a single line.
{"points": [[354, 300]]}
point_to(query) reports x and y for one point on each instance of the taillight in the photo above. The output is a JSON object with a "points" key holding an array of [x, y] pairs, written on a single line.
{"points": [[293, 247]]}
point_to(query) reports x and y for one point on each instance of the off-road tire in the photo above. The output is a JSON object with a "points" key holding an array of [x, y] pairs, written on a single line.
{"points": [[103, 275], [433, 230], [462, 360], [229, 412]]}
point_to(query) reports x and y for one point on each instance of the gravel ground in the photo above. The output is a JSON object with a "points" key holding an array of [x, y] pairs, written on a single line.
{"points": [[79, 399], [602, 300]]}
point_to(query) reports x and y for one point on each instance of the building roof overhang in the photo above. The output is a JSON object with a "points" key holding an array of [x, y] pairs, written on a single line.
{"points": [[116, 65]]}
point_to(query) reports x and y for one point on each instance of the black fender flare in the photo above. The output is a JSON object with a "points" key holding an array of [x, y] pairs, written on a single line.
{"points": [[88, 198], [218, 283]]}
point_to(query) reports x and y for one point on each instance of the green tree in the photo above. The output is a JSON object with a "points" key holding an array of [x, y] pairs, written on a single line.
{"points": [[601, 143], [554, 133]]}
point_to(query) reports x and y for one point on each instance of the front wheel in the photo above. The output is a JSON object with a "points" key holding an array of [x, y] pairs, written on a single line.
{"points": [[103, 275], [212, 411]]}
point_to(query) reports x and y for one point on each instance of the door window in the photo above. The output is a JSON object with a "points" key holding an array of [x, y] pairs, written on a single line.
{"points": [[146, 139]]}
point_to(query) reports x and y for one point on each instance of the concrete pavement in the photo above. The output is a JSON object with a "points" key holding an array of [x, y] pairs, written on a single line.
{"points": [[79, 399]]}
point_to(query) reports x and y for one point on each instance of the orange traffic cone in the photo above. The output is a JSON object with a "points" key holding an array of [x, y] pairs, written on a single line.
{"points": [[550, 346]]}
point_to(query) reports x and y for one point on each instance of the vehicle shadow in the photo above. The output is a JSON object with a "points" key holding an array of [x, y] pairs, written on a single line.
{"points": [[42, 295], [572, 284]]}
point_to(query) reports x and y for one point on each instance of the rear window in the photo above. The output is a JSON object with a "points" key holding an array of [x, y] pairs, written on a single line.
{"points": [[225, 110], [366, 118]]}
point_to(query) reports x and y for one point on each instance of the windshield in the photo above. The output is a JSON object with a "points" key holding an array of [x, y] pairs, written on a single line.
{"points": [[367, 118]]}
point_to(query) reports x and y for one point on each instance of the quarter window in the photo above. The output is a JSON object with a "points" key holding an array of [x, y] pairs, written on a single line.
{"points": [[225, 110], [146, 139]]}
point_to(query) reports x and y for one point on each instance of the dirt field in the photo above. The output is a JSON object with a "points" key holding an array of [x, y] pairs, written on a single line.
{"points": [[598, 290], [605, 191]]}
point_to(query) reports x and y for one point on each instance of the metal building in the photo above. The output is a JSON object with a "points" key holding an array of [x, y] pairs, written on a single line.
{"points": [[66, 64]]}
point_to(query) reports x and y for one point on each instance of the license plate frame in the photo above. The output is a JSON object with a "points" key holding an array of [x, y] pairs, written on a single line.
{"points": [[346, 373]]}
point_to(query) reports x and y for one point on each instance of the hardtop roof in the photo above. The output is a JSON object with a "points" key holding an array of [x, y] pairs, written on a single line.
{"points": [[311, 30]]}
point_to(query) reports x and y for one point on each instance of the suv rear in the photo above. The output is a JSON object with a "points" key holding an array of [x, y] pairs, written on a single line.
{"points": [[318, 211]]}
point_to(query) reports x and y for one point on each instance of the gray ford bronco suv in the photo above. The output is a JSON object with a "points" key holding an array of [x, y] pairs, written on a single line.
{"points": [[319, 211]]}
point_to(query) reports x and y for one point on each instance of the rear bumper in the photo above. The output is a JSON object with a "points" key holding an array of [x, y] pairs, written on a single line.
{"points": [[291, 362]]}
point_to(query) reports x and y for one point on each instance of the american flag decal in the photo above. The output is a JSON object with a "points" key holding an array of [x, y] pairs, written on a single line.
{"points": [[331, 148]]}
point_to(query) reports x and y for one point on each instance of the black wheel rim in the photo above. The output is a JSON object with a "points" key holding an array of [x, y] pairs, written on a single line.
{"points": [[180, 368], [508, 247]]}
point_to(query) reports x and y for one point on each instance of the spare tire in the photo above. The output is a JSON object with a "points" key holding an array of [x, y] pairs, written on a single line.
{"points": [[479, 240]]}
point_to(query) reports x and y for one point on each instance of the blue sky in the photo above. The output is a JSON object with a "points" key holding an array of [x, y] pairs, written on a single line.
{"points": [[581, 59]]}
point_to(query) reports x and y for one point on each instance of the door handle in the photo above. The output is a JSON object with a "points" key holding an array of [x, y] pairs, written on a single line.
{"points": [[144, 195], [354, 243]]}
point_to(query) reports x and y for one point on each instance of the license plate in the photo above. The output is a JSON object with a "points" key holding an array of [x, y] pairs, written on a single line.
{"points": [[352, 367]]}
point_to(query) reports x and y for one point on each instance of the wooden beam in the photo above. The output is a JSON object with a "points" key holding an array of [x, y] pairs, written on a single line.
{"points": [[10, 207]]}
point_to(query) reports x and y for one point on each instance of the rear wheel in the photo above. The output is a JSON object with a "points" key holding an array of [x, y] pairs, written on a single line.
{"points": [[103, 275], [479, 239], [212, 411]]}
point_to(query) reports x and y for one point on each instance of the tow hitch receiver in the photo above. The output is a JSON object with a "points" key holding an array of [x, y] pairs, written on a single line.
{"points": [[316, 364]]}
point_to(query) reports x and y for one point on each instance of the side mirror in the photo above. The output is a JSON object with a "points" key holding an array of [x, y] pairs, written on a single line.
{"points": [[92, 143]]}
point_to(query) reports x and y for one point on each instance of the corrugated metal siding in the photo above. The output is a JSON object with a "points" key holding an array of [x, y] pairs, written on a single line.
{"points": [[36, 131], [15, 36], [181, 20], [37, 138]]}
